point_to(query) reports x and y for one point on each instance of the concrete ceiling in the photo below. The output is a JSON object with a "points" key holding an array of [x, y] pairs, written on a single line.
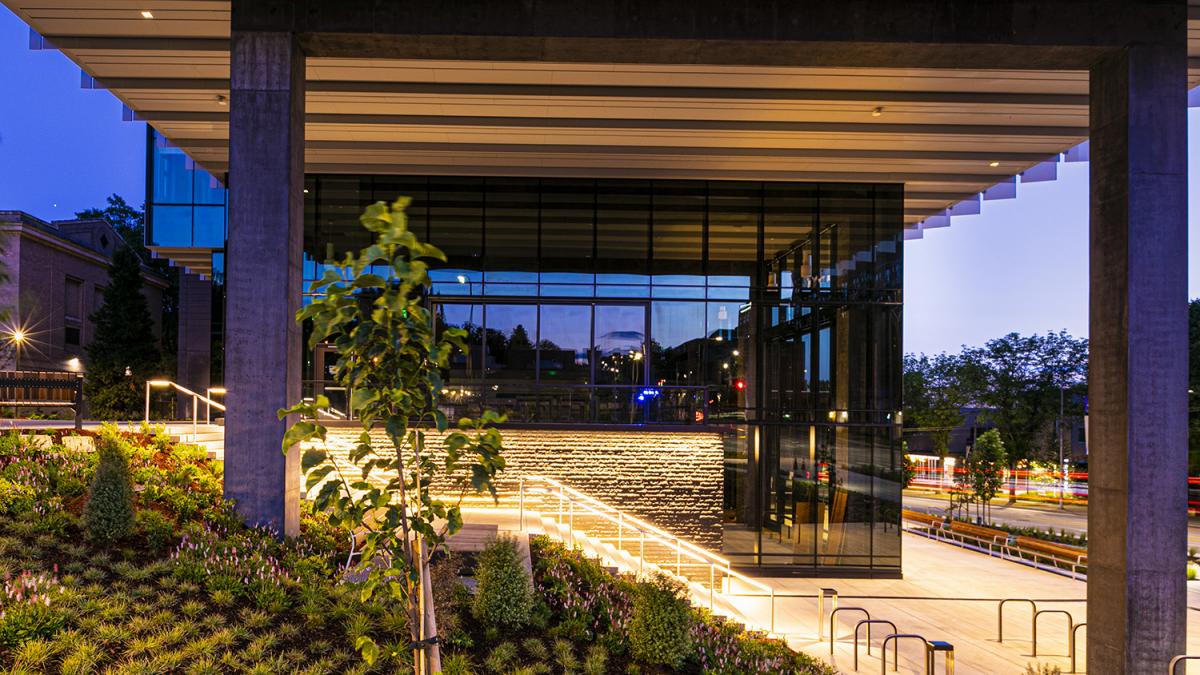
{"points": [[946, 134]]}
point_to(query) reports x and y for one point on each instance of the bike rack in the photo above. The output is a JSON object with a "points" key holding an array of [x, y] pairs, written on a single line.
{"points": [[1074, 638], [832, 593], [1040, 612], [869, 622], [833, 616], [1178, 660], [936, 646], [897, 637], [1000, 615]]}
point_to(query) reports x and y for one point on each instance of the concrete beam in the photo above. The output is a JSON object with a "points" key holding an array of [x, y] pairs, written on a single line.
{"points": [[934, 33], [263, 275], [1137, 487]]}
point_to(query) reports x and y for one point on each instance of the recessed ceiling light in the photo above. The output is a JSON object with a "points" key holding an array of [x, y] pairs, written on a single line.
{"points": [[993, 163], [877, 111], [147, 14]]}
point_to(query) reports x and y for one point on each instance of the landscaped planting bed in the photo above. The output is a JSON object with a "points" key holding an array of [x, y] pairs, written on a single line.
{"points": [[135, 564]]}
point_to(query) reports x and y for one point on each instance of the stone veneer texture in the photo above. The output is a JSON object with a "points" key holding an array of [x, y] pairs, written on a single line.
{"points": [[671, 479]]}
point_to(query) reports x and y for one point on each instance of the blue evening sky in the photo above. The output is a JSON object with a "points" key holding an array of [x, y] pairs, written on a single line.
{"points": [[1021, 265]]}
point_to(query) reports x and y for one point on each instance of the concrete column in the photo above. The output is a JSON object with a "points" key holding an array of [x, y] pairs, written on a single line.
{"points": [[1137, 511], [263, 275], [194, 360]]}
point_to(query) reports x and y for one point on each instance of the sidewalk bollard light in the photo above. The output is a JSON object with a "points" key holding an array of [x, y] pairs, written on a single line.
{"points": [[935, 646], [832, 592]]}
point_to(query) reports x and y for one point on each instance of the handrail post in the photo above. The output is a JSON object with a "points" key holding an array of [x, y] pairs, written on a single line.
{"points": [[1074, 643], [712, 584], [147, 419], [620, 530], [678, 558], [571, 521], [195, 417], [521, 502], [560, 505], [773, 609]]}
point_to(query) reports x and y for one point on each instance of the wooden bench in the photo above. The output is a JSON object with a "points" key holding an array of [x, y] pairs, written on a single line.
{"points": [[43, 389], [977, 531], [923, 518], [1067, 552]]}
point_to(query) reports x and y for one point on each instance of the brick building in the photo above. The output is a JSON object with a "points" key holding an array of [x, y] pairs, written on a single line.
{"points": [[57, 272]]}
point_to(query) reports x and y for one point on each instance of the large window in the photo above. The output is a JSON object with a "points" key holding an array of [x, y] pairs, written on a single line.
{"points": [[767, 311]]}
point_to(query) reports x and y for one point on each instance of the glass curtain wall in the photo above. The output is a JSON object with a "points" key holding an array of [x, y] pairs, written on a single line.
{"points": [[767, 311]]}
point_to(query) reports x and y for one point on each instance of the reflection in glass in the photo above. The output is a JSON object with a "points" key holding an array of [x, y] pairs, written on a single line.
{"points": [[619, 344], [564, 344]]}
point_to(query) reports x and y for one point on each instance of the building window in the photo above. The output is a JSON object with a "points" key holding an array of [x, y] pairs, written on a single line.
{"points": [[71, 336], [73, 299]]}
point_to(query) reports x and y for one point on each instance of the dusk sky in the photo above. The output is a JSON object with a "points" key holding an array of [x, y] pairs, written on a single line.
{"points": [[1019, 266]]}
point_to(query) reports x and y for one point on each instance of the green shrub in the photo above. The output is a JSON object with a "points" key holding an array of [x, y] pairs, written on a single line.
{"points": [[457, 664], [155, 528], [504, 596], [502, 658], [596, 661], [15, 498], [660, 629], [29, 610], [108, 515]]}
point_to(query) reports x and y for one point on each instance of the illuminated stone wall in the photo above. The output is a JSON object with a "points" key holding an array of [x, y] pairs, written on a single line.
{"points": [[670, 479]]}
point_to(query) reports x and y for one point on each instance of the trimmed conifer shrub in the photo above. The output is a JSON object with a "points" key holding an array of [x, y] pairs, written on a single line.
{"points": [[109, 514], [504, 596]]}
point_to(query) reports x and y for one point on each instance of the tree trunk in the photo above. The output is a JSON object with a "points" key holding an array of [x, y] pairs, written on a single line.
{"points": [[433, 651]]}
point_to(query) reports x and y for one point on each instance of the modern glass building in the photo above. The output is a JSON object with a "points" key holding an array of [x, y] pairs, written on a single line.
{"points": [[766, 312]]}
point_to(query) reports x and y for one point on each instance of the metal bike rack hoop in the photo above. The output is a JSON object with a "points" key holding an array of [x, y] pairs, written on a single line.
{"points": [[868, 622], [1000, 614], [833, 617], [1040, 612]]}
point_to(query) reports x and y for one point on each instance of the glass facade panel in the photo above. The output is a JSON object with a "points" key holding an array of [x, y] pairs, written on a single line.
{"points": [[768, 312]]}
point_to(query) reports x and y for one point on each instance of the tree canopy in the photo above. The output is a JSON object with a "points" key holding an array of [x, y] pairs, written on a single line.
{"points": [[124, 339]]}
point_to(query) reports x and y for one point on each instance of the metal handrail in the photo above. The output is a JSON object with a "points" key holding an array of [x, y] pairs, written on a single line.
{"points": [[1040, 612], [858, 625], [568, 497], [196, 398]]}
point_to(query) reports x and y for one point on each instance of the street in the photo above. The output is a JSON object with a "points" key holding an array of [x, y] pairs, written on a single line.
{"points": [[1073, 519]]}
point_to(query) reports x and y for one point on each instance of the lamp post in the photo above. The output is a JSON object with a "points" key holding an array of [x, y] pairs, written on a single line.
{"points": [[18, 339]]}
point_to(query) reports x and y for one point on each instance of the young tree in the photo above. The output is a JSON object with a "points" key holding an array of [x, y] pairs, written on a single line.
{"points": [[392, 359], [129, 222], [986, 469], [124, 342]]}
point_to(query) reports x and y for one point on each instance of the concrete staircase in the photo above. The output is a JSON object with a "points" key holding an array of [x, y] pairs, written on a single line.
{"points": [[211, 437]]}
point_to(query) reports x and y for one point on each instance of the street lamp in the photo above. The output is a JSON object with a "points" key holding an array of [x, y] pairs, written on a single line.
{"points": [[18, 339]]}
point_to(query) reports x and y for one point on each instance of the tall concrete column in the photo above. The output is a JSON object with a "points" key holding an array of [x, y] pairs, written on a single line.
{"points": [[194, 360], [263, 275], [1137, 486]]}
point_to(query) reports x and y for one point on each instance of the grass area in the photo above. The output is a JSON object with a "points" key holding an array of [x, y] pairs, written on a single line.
{"points": [[164, 578]]}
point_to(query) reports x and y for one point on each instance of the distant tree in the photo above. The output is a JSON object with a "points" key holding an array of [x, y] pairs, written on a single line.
{"points": [[520, 338], [1019, 380], [124, 340], [129, 222], [986, 469], [935, 392]]}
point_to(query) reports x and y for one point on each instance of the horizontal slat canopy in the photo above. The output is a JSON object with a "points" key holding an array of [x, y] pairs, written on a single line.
{"points": [[946, 134]]}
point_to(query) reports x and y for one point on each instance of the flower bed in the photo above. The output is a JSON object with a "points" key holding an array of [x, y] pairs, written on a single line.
{"points": [[189, 589]]}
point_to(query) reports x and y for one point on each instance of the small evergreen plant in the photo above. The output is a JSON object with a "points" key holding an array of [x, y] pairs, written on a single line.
{"points": [[660, 629], [109, 514], [504, 596]]}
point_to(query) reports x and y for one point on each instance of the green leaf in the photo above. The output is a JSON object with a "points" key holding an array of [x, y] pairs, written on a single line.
{"points": [[301, 431], [369, 650], [312, 457], [316, 476]]}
